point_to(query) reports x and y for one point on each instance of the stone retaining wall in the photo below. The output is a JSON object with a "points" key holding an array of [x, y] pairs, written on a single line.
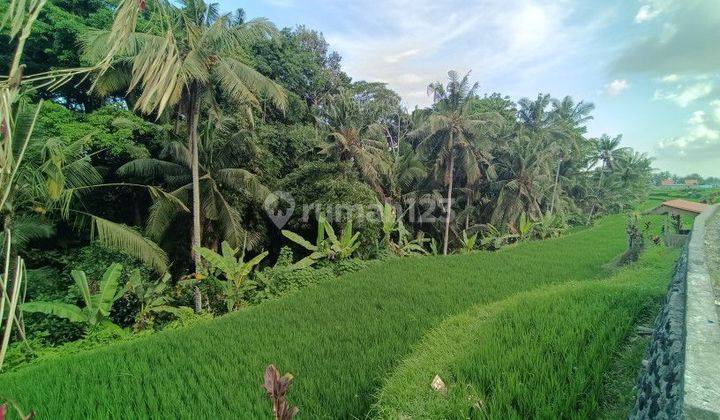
{"points": [[680, 377], [659, 384]]}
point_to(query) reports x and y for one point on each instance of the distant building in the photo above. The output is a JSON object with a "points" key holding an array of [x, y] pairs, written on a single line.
{"points": [[679, 207], [667, 182], [692, 182]]}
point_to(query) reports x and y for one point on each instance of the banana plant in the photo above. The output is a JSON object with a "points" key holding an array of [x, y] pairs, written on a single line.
{"points": [[327, 246], [152, 298], [235, 270], [467, 243], [549, 226], [494, 239], [434, 248], [97, 306], [342, 247], [392, 223], [408, 247], [388, 219], [526, 228]]}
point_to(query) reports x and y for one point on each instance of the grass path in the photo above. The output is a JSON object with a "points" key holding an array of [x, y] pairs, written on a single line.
{"points": [[340, 339], [537, 354]]}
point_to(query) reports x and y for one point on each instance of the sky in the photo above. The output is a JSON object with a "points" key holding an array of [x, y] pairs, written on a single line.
{"points": [[651, 67]]}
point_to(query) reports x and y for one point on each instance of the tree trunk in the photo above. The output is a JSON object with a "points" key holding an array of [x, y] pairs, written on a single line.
{"points": [[197, 298], [602, 172], [557, 180], [193, 121], [448, 210]]}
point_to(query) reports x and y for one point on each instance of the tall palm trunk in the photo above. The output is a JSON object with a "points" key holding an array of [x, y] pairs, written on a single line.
{"points": [[602, 172], [557, 180], [196, 241], [448, 210], [193, 121]]}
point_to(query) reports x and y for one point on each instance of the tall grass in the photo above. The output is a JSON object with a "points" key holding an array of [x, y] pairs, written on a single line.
{"points": [[340, 339], [539, 354]]}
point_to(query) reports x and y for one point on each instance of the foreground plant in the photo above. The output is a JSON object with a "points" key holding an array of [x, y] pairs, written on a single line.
{"points": [[10, 298], [20, 413], [97, 306], [152, 299], [392, 223], [330, 247], [467, 243], [235, 270], [636, 239], [277, 388]]}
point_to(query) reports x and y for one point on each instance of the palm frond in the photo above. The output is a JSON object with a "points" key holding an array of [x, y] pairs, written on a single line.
{"points": [[128, 240], [150, 169], [242, 82], [165, 209], [244, 180]]}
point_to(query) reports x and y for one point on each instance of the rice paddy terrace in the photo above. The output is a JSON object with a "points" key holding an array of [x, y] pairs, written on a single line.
{"points": [[545, 315]]}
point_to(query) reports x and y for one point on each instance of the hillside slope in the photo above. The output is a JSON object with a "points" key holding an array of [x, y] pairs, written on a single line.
{"points": [[340, 339]]}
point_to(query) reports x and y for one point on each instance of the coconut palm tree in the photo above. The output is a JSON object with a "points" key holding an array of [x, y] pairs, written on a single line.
{"points": [[570, 118], [353, 138], [408, 171], [524, 171], [183, 63], [608, 151], [449, 137], [224, 151], [633, 170]]}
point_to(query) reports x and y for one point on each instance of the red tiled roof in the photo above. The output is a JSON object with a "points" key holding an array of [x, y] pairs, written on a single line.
{"points": [[686, 205]]}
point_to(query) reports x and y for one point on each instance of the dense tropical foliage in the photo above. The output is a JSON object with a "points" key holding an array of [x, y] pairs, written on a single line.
{"points": [[182, 157], [167, 132]]}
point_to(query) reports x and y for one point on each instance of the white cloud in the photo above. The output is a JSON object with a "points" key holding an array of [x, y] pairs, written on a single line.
{"points": [[698, 117], [646, 13], [616, 87], [678, 40], [716, 109], [651, 9], [683, 96], [670, 78], [700, 142], [409, 44]]}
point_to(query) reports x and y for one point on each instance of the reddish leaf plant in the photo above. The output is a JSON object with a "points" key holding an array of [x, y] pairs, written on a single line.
{"points": [[21, 415], [277, 388]]}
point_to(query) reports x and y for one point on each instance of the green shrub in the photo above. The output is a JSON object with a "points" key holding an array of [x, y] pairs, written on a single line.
{"points": [[93, 260], [37, 350], [278, 281], [351, 265], [48, 284]]}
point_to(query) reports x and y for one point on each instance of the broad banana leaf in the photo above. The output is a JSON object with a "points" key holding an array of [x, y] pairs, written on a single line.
{"points": [[300, 240], [59, 309], [82, 284], [108, 289]]}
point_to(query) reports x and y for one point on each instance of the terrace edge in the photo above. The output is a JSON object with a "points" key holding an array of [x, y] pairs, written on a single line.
{"points": [[701, 376]]}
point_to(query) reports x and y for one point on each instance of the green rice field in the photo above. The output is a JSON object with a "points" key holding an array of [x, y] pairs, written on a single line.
{"points": [[365, 344]]}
